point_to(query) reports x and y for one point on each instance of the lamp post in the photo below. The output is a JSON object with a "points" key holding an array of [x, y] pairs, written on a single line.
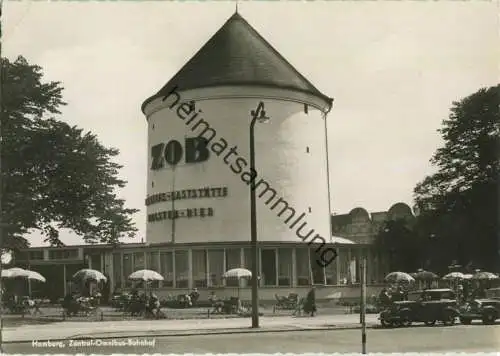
{"points": [[258, 114]]}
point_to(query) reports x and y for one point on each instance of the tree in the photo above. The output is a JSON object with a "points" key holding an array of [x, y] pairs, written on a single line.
{"points": [[397, 240], [54, 175], [461, 199]]}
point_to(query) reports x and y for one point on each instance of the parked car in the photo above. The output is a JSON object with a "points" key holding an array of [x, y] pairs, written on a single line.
{"points": [[431, 306], [493, 293], [486, 310]]}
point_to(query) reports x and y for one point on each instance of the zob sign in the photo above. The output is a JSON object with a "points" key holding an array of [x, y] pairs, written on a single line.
{"points": [[194, 150]]}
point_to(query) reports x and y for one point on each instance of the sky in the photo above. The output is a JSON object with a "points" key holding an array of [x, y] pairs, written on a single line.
{"points": [[393, 68]]}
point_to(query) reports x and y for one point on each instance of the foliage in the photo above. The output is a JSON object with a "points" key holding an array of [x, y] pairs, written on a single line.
{"points": [[459, 203], [400, 244], [54, 175]]}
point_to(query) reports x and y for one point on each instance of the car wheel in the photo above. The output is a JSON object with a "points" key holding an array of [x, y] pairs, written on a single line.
{"points": [[397, 323], [465, 321], [430, 322], [488, 318], [449, 319], [405, 320], [385, 323]]}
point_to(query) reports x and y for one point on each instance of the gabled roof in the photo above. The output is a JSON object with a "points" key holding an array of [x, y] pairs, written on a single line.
{"points": [[237, 55]]}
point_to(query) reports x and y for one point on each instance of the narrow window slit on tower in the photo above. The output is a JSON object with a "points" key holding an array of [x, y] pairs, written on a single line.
{"points": [[306, 108], [153, 126], [310, 210], [307, 149], [152, 184]]}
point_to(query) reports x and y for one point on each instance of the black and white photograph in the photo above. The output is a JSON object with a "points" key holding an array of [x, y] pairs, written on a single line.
{"points": [[213, 177]]}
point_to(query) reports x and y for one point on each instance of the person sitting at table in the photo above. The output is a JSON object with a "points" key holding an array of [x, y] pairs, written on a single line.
{"points": [[153, 305], [217, 304], [194, 296]]}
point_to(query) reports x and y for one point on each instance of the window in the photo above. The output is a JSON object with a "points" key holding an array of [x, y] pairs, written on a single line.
{"points": [[139, 261], [268, 258], [117, 269], [331, 273], [302, 258], [200, 268], [354, 267], [247, 264], [215, 267], [343, 265], [363, 255], [63, 254], [181, 269], [127, 268], [36, 255], [167, 268], [96, 262], [152, 263], [317, 270], [233, 260], [353, 270], [285, 266]]}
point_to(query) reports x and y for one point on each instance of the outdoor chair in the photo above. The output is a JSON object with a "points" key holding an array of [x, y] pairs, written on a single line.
{"points": [[299, 308], [231, 305], [218, 306], [32, 306], [286, 303]]}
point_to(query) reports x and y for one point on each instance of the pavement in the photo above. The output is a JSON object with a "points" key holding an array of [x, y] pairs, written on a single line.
{"points": [[419, 338], [116, 329]]}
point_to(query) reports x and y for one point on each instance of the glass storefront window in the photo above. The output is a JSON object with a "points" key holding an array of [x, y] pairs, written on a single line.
{"points": [[303, 272], [331, 272], [233, 260], [215, 268], [181, 269], [285, 266], [167, 268], [127, 268], [117, 269], [354, 267], [268, 260], [317, 269], [199, 268], [153, 263], [152, 259], [139, 261], [344, 265]]}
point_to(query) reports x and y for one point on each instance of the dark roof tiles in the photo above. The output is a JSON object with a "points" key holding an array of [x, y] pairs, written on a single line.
{"points": [[237, 55]]}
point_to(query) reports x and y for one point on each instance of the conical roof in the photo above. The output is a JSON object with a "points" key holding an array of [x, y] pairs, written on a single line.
{"points": [[237, 55]]}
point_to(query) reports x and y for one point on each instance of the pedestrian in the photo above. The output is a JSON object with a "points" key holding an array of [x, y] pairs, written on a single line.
{"points": [[310, 304]]}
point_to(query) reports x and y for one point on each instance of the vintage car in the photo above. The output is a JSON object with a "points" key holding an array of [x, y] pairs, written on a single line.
{"points": [[493, 293], [486, 310], [432, 305]]}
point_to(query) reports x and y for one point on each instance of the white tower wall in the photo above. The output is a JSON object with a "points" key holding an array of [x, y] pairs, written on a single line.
{"points": [[290, 154]]}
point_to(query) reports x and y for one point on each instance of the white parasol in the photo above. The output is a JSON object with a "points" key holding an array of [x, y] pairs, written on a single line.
{"points": [[237, 273], [85, 274], [36, 276], [395, 277], [454, 276], [146, 275], [15, 272]]}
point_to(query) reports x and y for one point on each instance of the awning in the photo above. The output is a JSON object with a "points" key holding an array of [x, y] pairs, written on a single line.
{"points": [[341, 240]]}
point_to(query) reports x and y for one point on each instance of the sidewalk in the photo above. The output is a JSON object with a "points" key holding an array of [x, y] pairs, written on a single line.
{"points": [[110, 329]]}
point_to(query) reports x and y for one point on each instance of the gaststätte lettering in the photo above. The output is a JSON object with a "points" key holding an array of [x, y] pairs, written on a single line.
{"points": [[206, 192]]}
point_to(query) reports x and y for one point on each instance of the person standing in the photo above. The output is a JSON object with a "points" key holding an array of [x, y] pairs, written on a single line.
{"points": [[310, 304]]}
